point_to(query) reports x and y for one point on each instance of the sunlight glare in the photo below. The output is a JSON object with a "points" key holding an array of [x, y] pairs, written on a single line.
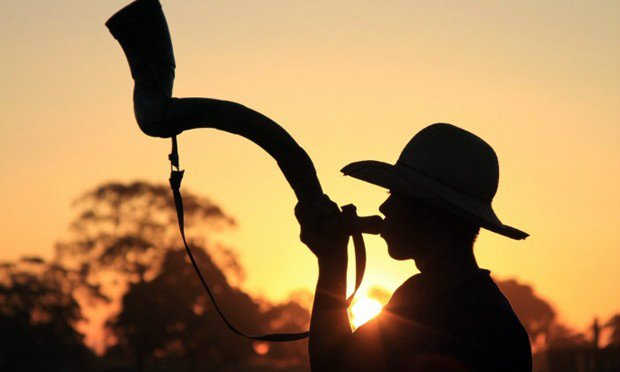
{"points": [[363, 310]]}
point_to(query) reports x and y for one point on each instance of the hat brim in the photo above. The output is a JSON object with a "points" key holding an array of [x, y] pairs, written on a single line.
{"points": [[410, 182]]}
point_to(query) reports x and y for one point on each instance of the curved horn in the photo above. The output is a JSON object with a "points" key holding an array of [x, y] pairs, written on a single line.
{"points": [[142, 31]]}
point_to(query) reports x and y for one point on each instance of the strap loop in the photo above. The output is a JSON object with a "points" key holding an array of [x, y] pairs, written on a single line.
{"points": [[174, 155], [349, 211]]}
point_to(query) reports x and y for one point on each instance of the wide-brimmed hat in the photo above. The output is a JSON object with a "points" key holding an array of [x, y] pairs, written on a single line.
{"points": [[448, 166]]}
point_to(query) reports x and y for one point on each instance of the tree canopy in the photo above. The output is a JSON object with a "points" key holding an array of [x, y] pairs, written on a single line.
{"points": [[38, 316], [126, 228]]}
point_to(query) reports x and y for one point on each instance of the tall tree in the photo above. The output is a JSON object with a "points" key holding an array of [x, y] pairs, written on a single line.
{"points": [[129, 231], [126, 228], [539, 318], [172, 317], [614, 325], [38, 316], [536, 314]]}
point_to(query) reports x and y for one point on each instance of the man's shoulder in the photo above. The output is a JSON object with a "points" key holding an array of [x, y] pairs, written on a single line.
{"points": [[482, 291], [478, 291], [410, 294], [473, 324], [475, 305]]}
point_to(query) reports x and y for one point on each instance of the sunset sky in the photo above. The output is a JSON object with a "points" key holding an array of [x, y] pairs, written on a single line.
{"points": [[350, 80]]}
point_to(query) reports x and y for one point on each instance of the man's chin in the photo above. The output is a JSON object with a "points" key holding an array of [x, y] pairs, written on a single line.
{"points": [[397, 254]]}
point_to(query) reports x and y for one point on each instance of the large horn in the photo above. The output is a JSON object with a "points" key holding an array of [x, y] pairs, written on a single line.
{"points": [[143, 33]]}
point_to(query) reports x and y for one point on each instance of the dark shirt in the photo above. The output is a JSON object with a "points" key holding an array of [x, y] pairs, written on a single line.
{"points": [[470, 327]]}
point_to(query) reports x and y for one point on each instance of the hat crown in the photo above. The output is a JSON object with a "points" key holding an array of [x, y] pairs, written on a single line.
{"points": [[454, 157]]}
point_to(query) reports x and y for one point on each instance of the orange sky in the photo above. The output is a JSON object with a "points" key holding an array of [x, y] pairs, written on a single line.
{"points": [[350, 80]]}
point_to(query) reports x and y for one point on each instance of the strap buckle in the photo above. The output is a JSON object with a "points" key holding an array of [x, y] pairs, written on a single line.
{"points": [[174, 155]]}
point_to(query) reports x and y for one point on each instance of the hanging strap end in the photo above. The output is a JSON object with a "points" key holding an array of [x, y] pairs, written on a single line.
{"points": [[176, 176]]}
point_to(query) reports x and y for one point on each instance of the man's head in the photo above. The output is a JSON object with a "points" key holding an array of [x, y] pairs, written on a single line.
{"points": [[449, 168]]}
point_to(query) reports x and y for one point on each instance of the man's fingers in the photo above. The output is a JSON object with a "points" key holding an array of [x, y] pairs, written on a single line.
{"points": [[321, 225], [309, 211], [319, 219]]}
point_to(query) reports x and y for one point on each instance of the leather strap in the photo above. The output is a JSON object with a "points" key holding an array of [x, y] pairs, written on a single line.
{"points": [[349, 211]]}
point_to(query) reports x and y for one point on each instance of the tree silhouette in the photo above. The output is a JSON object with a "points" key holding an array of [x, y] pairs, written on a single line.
{"points": [[38, 315], [289, 317], [614, 324], [123, 231], [539, 318], [127, 228], [129, 232], [535, 313], [562, 336], [172, 318]]}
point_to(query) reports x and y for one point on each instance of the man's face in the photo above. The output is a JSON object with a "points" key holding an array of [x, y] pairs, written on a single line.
{"points": [[407, 226]]}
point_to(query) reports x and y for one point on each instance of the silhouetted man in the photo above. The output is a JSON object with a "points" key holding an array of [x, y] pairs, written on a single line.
{"points": [[451, 316]]}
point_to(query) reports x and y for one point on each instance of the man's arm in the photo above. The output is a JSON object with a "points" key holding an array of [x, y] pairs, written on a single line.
{"points": [[330, 331]]}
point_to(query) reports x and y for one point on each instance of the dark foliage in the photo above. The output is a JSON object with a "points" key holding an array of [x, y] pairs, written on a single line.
{"points": [[127, 228], [38, 314], [535, 313], [166, 320], [614, 325], [172, 318]]}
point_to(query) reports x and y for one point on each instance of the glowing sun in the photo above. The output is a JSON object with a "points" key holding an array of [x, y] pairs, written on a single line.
{"points": [[363, 310]]}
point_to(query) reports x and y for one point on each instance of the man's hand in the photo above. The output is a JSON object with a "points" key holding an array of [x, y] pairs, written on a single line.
{"points": [[323, 231], [322, 228]]}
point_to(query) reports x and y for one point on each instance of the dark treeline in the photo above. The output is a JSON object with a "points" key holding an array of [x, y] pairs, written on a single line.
{"points": [[124, 249]]}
